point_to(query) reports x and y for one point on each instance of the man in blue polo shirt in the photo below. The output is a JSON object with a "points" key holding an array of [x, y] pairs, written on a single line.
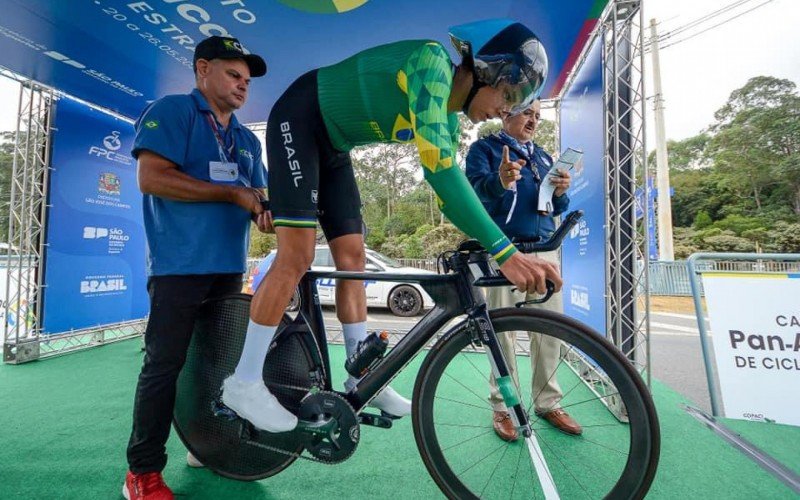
{"points": [[202, 178]]}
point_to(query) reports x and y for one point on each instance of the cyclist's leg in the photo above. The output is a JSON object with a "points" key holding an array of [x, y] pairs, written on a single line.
{"points": [[341, 221], [340, 218], [293, 182], [351, 298]]}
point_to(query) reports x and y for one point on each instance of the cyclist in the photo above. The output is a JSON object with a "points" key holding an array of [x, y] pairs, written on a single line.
{"points": [[407, 91]]}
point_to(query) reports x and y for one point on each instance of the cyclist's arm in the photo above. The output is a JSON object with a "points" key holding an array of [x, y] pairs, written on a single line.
{"points": [[429, 79]]}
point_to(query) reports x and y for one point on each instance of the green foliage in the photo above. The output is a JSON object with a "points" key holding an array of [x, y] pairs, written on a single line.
{"points": [[488, 128], [441, 238], [727, 241], [545, 136], [737, 186], [261, 243], [702, 220]]}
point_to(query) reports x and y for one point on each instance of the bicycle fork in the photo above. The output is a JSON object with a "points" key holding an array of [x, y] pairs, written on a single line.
{"points": [[482, 327]]}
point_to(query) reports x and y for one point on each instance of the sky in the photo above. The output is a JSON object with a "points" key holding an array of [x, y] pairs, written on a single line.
{"points": [[698, 75]]}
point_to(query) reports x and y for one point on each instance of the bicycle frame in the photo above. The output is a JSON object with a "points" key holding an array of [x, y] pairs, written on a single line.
{"points": [[453, 295]]}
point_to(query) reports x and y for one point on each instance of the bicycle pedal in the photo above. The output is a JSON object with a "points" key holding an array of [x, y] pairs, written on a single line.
{"points": [[219, 410], [383, 421], [389, 416]]}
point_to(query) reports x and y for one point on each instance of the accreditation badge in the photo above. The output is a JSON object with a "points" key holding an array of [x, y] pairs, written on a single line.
{"points": [[223, 171]]}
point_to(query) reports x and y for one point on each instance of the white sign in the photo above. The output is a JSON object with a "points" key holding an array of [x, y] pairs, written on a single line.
{"points": [[756, 323]]}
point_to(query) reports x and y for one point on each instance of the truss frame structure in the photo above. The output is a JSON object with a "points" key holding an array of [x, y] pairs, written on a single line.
{"points": [[627, 259], [23, 340]]}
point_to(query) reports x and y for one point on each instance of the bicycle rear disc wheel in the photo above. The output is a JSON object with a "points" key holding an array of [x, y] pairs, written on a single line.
{"points": [[220, 444], [614, 457]]}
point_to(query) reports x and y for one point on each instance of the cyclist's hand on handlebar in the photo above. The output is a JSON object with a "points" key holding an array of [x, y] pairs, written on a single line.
{"points": [[529, 273], [509, 170]]}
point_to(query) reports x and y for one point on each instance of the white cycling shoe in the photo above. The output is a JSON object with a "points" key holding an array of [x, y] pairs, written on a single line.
{"points": [[388, 400], [192, 461], [253, 402]]}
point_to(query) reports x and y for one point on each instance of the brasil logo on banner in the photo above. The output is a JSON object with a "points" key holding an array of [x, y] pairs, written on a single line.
{"points": [[755, 319]]}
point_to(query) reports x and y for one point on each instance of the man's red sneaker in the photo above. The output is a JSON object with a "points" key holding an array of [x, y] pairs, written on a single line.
{"points": [[146, 486]]}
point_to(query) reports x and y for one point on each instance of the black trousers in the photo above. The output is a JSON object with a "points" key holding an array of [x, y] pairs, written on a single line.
{"points": [[174, 304]]}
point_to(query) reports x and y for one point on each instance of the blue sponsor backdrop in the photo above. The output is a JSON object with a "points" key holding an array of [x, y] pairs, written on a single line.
{"points": [[120, 54], [584, 260], [95, 269]]}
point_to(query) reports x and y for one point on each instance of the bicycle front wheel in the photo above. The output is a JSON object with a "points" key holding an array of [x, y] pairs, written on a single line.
{"points": [[615, 456]]}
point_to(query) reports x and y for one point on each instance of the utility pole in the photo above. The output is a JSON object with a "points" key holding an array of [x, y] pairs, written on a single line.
{"points": [[665, 250]]}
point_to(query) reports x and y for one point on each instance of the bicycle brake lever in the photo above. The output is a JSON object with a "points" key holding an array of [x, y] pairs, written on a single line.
{"points": [[551, 288]]}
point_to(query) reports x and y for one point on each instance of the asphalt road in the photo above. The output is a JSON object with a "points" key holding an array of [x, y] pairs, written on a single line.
{"points": [[675, 354]]}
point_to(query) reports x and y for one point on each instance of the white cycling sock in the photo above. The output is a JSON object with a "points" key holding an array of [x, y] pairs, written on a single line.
{"points": [[353, 334], [256, 345]]}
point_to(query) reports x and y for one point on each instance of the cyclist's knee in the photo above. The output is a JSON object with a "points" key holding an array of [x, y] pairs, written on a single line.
{"points": [[351, 263], [295, 262], [348, 253]]}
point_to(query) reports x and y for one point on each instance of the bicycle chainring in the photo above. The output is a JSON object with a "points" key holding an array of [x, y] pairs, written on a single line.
{"points": [[331, 426]]}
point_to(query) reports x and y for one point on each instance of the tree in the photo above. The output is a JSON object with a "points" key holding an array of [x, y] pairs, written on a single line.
{"points": [[756, 133], [688, 154], [388, 169], [545, 136], [488, 128], [760, 92]]}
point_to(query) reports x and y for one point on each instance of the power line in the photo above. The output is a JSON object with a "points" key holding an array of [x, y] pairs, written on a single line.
{"points": [[716, 25], [700, 20]]}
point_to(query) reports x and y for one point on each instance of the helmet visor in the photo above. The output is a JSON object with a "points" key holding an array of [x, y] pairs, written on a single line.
{"points": [[521, 74]]}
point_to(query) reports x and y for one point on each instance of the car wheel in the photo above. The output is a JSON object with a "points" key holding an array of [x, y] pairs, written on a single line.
{"points": [[405, 301], [294, 302]]}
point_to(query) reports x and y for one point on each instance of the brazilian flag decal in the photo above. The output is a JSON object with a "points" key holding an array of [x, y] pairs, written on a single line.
{"points": [[324, 6]]}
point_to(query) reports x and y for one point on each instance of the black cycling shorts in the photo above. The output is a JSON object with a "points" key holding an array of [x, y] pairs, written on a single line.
{"points": [[308, 178]]}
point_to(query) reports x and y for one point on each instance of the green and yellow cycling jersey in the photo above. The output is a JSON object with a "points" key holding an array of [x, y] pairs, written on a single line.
{"points": [[398, 93]]}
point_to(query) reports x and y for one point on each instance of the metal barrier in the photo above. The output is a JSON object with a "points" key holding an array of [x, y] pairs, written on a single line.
{"points": [[426, 264], [672, 278], [735, 262]]}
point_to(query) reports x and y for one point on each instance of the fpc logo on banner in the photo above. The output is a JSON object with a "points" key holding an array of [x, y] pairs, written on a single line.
{"points": [[111, 143]]}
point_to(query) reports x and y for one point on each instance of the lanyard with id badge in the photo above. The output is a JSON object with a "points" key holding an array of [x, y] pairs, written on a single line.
{"points": [[226, 169]]}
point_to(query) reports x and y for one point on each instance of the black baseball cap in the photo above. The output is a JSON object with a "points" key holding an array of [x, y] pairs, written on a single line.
{"points": [[220, 47]]}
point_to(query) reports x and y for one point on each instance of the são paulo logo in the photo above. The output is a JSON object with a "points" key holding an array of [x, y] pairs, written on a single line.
{"points": [[324, 6]]}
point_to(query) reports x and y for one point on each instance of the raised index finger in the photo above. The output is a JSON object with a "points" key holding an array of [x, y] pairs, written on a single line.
{"points": [[505, 155]]}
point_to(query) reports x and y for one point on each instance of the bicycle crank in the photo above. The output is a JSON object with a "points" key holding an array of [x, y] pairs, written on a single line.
{"points": [[331, 426]]}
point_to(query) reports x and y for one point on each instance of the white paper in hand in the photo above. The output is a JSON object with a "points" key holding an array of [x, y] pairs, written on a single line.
{"points": [[566, 162]]}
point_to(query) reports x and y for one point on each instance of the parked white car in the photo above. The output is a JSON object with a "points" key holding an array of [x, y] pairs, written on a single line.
{"points": [[402, 298]]}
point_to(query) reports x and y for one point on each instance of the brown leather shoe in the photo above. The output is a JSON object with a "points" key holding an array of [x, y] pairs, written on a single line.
{"points": [[504, 427], [561, 420]]}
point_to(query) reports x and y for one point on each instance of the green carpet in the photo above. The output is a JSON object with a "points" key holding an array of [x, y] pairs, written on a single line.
{"points": [[68, 420]]}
